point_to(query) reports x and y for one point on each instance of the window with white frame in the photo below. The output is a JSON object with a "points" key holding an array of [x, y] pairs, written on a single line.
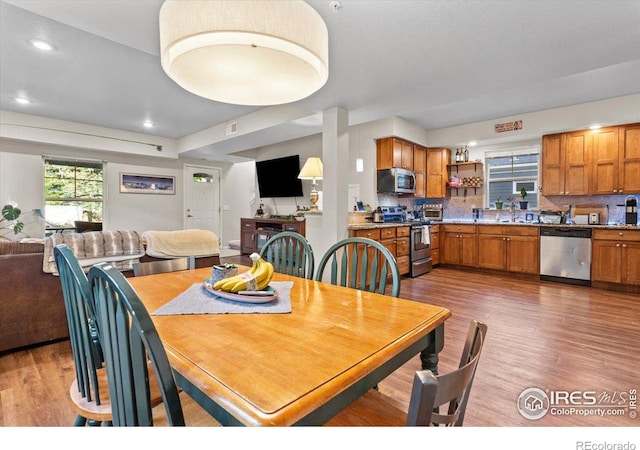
{"points": [[508, 171], [73, 190]]}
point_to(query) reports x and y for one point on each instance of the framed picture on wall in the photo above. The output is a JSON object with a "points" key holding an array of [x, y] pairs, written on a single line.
{"points": [[135, 183]]}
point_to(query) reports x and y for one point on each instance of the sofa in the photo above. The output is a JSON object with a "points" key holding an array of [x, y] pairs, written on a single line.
{"points": [[31, 303]]}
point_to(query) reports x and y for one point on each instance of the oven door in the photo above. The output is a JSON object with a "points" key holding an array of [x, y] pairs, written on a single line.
{"points": [[420, 242]]}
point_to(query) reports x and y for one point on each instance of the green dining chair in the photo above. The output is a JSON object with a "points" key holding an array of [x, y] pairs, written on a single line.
{"points": [[129, 339], [138, 370], [88, 392], [428, 393], [361, 263], [290, 253]]}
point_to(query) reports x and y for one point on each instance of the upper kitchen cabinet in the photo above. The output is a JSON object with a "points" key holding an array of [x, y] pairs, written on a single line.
{"points": [[552, 164], [605, 162], [394, 152], [592, 162], [629, 158], [419, 168], [437, 176], [565, 163]]}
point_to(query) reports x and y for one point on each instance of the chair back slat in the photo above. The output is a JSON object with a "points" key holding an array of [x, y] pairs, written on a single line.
{"points": [[290, 254], [365, 264], [130, 340]]}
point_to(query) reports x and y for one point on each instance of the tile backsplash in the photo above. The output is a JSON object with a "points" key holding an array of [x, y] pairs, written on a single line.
{"points": [[459, 207]]}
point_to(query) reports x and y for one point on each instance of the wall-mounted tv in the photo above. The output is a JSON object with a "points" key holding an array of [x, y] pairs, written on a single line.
{"points": [[279, 177]]}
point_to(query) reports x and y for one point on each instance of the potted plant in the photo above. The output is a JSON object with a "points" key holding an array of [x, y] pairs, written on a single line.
{"points": [[499, 203], [523, 202], [300, 210]]}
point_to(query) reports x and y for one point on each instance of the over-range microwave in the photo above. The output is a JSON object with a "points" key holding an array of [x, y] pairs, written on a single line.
{"points": [[396, 181]]}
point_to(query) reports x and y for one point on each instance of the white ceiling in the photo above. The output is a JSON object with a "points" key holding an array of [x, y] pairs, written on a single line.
{"points": [[433, 63]]}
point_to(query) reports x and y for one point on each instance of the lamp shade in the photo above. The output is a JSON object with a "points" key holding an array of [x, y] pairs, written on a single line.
{"points": [[245, 52], [312, 170]]}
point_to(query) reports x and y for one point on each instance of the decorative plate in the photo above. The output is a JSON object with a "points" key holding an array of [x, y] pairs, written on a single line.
{"points": [[267, 295]]}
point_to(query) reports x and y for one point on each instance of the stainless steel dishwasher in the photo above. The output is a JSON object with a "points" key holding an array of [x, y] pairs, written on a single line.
{"points": [[565, 255]]}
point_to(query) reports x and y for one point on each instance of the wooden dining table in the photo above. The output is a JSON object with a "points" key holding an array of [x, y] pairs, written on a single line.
{"points": [[297, 368]]}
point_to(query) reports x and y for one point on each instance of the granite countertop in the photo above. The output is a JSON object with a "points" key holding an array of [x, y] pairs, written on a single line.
{"points": [[369, 225]]}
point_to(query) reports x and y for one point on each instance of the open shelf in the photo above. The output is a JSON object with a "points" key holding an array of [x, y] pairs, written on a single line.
{"points": [[470, 163]]}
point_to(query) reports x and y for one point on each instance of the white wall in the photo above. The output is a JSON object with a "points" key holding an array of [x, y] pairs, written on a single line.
{"points": [[21, 180], [614, 111], [239, 193]]}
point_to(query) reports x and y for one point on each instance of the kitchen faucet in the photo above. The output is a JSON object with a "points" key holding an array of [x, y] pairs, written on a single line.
{"points": [[512, 209]]}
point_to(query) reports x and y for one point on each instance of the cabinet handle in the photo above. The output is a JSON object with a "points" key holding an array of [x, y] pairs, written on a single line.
{"points": [[624, 245], [504, 239], [617, 245], [620, 234], [615, 190]]}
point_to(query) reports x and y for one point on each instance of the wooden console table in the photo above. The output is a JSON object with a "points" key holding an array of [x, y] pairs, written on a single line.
{"points": [[256, 232]]}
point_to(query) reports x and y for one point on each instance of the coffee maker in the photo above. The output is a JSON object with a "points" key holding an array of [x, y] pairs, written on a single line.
{"points": [[631, 210]]}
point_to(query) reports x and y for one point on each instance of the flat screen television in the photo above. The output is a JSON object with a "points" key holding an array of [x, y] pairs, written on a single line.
{"points": [[279, 177]]}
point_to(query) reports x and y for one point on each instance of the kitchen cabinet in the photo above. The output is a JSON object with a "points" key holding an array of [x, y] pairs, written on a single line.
{"points": [[419, 168], [435, 244], [394, 152], [629, 159], [459, 245], [615, 256], [436, 172], [565, 163], [395, 239], [605, 162], [256, 232], [510, 248]]}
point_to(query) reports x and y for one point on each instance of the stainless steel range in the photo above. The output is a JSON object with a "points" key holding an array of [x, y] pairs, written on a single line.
{"points": [[420, 242]]}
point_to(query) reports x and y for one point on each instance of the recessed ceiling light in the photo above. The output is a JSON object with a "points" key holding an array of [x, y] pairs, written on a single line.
{"points": [[41, 45], [473, 143], [595, 127], [22, 100], [148, 124]]}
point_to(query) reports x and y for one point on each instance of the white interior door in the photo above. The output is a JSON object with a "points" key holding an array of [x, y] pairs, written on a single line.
{"points": [[202, 198]]}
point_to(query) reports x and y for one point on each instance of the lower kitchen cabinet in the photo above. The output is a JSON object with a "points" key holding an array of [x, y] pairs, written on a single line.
{"points": [[510, 248], [395, 239], [616, 256], [435, 244], [459, 245]]}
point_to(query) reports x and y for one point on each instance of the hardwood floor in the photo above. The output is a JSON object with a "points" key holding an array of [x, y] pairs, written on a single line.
{"points": [[552, 336]]}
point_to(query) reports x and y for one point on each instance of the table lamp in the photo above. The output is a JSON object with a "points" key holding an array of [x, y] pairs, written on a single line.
{"points": [[312, 170]]}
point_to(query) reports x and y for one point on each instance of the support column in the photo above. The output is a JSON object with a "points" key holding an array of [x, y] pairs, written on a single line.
{"points": [[335, 154]]}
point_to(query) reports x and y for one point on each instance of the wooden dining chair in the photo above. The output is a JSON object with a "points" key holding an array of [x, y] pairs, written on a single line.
{"points": [[428, 393], [361, 263], [89, 391], [167, 265], [290, 253], [135, 357]]}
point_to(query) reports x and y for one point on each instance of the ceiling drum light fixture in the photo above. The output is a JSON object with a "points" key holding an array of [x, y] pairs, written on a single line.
{"points": [[245, 52], [22, 100]]}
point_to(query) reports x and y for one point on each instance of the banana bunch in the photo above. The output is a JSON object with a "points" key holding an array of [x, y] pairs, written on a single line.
{"points": [[256, 279]]}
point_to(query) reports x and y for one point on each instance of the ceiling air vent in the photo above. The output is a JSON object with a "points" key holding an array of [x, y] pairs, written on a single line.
{"points": [[232, 128]]}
